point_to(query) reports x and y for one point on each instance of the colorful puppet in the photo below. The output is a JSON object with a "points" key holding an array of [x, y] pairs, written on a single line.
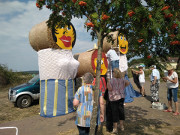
{"points": [[88, 62], [123, 44], [57, 67]]}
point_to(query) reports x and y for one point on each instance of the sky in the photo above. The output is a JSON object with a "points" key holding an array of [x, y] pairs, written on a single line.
{"points": [[17, 17]]}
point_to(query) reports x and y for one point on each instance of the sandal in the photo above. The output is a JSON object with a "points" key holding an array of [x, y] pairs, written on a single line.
{"points": [[176, 113], [114, 131], [122, 128], [167, 110]]}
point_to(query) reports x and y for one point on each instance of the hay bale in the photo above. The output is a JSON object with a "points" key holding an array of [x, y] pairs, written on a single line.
{"points": [[39, 36], [107, 45], [85, 63]]}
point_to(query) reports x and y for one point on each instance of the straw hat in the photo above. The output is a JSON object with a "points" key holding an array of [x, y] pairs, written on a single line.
{"points": [[169, 67]]}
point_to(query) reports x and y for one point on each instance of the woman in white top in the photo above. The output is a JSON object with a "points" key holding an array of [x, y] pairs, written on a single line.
{"points": [[141, 79], [172, 83]]}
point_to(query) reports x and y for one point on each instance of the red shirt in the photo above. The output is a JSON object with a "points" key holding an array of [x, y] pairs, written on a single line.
{"points": [[102, 86]]}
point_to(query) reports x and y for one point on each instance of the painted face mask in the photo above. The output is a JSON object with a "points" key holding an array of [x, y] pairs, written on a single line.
{"points": [[123, 44], [104, 64], [64, 37]]}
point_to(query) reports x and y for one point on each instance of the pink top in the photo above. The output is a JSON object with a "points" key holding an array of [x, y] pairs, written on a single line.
{"points": [[116, 89]]}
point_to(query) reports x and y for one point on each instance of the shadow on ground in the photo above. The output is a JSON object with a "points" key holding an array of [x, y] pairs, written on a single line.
{"points": [[73, 118]]}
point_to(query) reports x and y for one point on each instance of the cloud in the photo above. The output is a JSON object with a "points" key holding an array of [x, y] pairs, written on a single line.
{"points": [[16, 20]]}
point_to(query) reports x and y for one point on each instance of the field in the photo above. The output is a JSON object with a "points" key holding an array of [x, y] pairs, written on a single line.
{"points": [[8, 111]]}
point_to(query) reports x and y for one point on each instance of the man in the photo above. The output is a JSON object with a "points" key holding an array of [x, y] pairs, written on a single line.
{"points": [[155, 81]]}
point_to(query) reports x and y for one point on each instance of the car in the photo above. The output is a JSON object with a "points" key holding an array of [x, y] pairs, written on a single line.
{"points": [[23, 95]]}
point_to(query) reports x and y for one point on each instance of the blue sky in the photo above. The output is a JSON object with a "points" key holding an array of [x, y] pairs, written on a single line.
{"points": [[17, 17]]}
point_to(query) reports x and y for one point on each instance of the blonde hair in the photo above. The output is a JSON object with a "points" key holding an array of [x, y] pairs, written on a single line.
{"points": [[117, 73]]}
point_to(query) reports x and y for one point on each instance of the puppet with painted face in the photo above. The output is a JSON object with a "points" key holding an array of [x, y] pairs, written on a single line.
{"points": [[88, 63], [57, 67], [123, 66], [123, 49]]}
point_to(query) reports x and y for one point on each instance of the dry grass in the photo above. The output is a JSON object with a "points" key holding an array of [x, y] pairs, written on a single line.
{"points": [[8, 111]]}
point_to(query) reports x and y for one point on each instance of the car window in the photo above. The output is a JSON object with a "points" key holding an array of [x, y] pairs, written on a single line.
{"points": [[34, 79]]}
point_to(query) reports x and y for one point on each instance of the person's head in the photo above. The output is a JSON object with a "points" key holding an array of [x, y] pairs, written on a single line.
{"points": [[169, 68], [140, 67], [117, 73], [153, 67], [88, 78]]}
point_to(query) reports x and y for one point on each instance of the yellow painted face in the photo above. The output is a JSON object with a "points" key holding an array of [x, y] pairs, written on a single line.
{"points": [[65, 37], [103, 66], [123, 44]]}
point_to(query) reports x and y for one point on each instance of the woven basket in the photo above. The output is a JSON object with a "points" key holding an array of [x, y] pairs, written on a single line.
{"points": [[107, 45]]}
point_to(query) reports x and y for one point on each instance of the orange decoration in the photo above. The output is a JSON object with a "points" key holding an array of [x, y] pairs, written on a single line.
{"points": [[37, 5], [90, 24], [148, 56], [174, 26], [105, 17], [140, 40], [131, 13], [150, 16], [74, 1], [82, 3], [172, 35], [165, 8], [175, 43], [168, 16]]}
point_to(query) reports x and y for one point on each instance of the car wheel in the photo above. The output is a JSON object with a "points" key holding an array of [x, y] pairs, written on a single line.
{"points": [[24, 101]]}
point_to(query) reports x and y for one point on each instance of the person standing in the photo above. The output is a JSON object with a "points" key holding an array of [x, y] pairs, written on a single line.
{"points": [[83, 99], [172, 84], [114, 58], [116, 94], [141, 79], [155, 81]]}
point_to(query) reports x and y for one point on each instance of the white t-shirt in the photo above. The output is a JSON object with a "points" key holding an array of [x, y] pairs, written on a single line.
{"points": [[154, 73], [112, 55], [123, 63], [171, 84], [142, 77]]}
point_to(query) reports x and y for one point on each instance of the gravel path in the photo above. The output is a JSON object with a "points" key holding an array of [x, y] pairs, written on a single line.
{"points": [[140, 119]]}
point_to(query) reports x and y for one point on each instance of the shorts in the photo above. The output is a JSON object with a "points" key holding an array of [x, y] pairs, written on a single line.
{"points": [[172, 92], [117, 110]]}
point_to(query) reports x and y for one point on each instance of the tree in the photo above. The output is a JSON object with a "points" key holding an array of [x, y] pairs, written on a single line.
{"points": [[151, 28]]}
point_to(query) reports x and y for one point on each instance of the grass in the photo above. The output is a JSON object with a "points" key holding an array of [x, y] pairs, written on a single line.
{"points": [[8, 111]]}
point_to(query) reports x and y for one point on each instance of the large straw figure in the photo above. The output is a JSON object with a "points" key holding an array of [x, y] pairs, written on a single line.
{"points": [[57, 67]]}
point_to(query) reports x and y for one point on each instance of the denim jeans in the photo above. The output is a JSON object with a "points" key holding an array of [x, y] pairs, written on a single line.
{"points": [[172, 92], [114, 64]]}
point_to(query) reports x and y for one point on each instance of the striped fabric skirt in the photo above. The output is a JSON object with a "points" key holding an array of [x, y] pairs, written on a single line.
{"points": [[56, 97]]}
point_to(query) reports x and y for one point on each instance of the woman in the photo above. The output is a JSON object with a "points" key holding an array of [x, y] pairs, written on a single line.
{"points": [[83, 99], [172, 84], [116, 93], [141, 79]]}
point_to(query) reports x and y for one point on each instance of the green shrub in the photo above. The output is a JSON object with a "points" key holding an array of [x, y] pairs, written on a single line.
{"points": [[8, 76]]}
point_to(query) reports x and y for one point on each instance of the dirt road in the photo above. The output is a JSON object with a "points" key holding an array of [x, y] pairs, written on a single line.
{"points": [[141, 119]]}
